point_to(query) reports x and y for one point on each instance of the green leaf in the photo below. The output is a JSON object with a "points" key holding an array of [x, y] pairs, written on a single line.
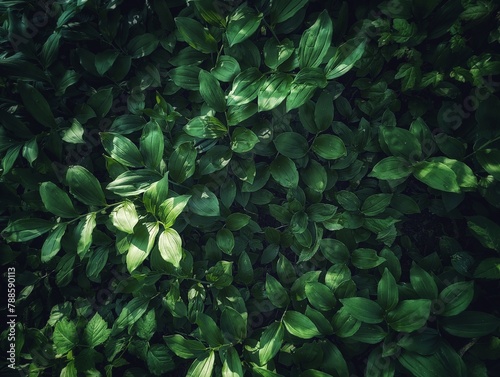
{"points": [[436, 175], [65, 336], [181, 164], [36, 105], [196, 35], [142, 45], [50, 49], [488, 268], [124, 217], [409, 315], [203, 201], [320, 296], [184, 348], [237, 221], [56, 200], [30, 151], [391, 137], [10, 158], [96, 331], [237, 114], [202, 367], [282, 10], [444, 362], [133, 182], [470, 324], [232, 366], [146, 325], [465, 175], [304, 86], [225, 240], [101, 101], [159, 360], [376, 204], [243, 23], [23, 230], [84, 186], [156, 195], [130, 314], [211, 91], [490, 161], [315, 41], [152, 145], [363, 309], [274, 91], [186, 77], [387, 291], [276, 293], [276, 52], [205, 127], [141, 244], [74, 134], [284, 171], [366, 258], [315, 177], [233, 325], [391, 168], [323, 115], [344, 59], [121, 149], [456, 298], [243, 140], [170, 246], [245, 87], [291, 144], [324, 326], [485, 230], [329, 147], [344, 324], [52, 243], [226, 68], [171, 208], [423, 283], [97, 262], [299, 325], [410, 75], [209, 330], [270, 342], [104, 61], [84, 231], [334, 250]]}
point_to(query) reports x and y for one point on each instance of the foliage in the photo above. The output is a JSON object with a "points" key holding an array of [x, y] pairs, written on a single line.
{"points": [[265, 188]]}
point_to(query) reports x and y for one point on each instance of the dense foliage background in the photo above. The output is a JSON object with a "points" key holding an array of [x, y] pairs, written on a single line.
{"points": [[261, 188]]}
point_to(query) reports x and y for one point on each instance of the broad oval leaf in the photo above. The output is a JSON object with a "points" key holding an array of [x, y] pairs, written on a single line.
{"points": [[56, 200], [315, 41], [121, 149], [205, 127], [299, 325], [436, 175], [84, 186], [196, 35], [329, 147]]}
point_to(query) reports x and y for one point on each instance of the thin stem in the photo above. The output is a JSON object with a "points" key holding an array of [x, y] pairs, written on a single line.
{"points": [[482, 147]]}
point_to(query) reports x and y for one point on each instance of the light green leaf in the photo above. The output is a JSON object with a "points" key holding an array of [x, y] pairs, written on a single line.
{"points": [[184, 348], [299, 325], [436, 175], [245, 87], [282, 10], [130, 314], [315, 41], [276, 293], [170, 246], [133, 182], [485, 230], [65, 336], [74, 134], [490, 161], [391, 168], [205, 127], [225, 240], [488, 268], [124, 217], [364, 258], [423, 283], [202, 367], [159, 360], [155, 195], [274, 91], [141, 244], [387, 291], [171, 208], [344, 59], [270, 342], [83, 232], [456, 298], [96, 331], [231, 366], [209, 330]]}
